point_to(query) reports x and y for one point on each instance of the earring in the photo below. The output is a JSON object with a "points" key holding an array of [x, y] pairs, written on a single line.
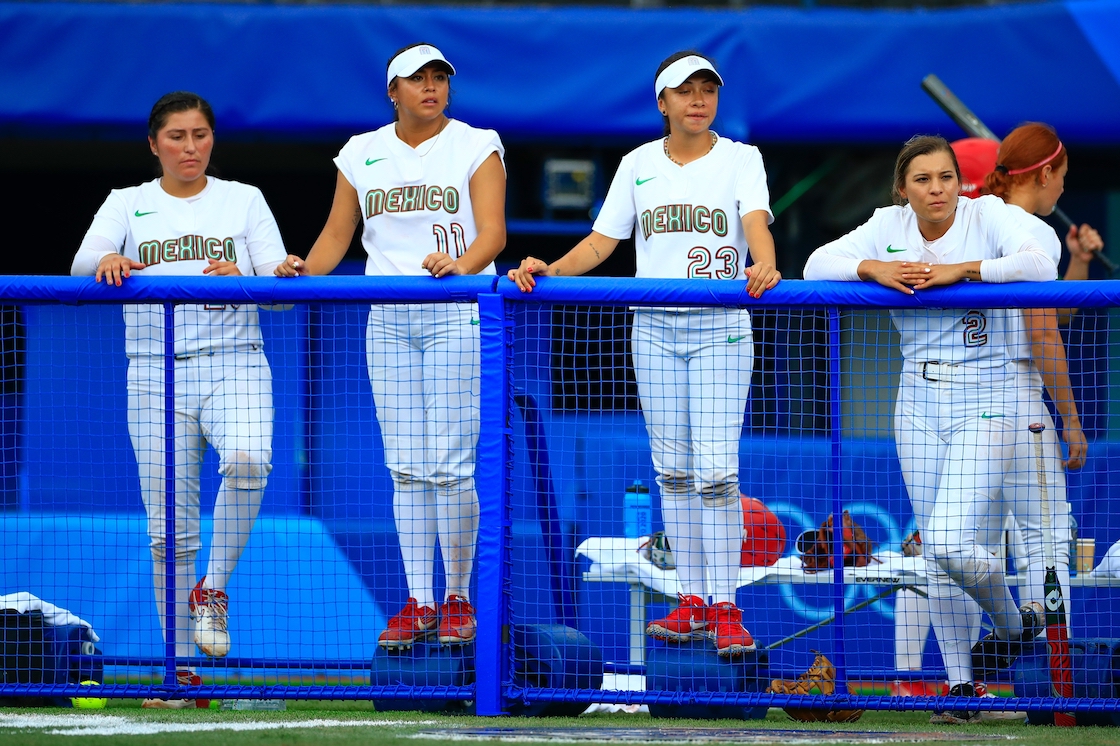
{"points": [[394, 103]]}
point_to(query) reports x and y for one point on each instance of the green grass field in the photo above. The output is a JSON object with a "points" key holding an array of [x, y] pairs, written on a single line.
{"points": [[316, 723]]}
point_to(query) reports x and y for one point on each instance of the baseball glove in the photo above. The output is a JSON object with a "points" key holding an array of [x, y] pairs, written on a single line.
{"points": [[816, 546], [656, 549], [819, 679]]}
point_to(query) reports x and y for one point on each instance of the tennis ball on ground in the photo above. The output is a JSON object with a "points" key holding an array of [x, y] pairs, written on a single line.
{"points": [[89, 703]]}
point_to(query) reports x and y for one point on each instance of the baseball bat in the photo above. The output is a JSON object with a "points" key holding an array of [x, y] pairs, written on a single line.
{"points": [[972, 124], [1057, 641]]}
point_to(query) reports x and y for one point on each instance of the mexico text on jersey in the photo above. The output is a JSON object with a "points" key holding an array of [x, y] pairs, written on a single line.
{"points": [[187, 248], [683, 219], [411, 199]]}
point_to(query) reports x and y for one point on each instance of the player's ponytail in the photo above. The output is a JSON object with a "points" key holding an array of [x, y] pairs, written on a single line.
{"points": [[173, 103], [1022, 156], [914, 147]]}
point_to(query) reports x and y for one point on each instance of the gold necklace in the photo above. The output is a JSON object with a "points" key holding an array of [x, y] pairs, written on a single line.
{"points": [[665, 146]]}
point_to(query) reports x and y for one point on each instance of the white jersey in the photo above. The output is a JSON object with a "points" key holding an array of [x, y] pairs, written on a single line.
{"points": [[984, 229], [1048, 239], [227, 221], [416, 201], [689, 218]]}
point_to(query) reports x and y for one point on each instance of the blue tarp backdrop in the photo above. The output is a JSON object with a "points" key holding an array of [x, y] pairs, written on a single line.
{"points": [[792, 75]]}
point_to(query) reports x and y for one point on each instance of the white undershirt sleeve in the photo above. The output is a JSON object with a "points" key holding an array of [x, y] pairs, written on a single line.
{"points": [[1022, 256], [1029, 264], [90, 254], [106, 235], [825, 266]]}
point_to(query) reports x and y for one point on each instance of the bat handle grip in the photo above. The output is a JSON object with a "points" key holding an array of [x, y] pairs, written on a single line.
{"points": [[1109, 265]]}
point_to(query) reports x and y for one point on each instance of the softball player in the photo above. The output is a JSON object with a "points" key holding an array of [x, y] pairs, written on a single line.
{"points": [[186, 223], [1030, 177], [700, 205], [431, 192], [957, 407]]}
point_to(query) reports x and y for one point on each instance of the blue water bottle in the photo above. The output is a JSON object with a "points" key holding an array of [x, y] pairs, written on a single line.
{"points": [[637, 511]]}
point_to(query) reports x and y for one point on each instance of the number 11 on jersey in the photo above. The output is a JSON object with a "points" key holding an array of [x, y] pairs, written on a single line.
{"points": [[458, 236]]}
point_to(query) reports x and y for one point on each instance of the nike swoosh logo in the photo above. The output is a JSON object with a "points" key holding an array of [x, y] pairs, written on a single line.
{"points": [[142, 214], [639, 182], [986, 416], [474, 322], [894, 251], [733, 340], [375, 160]]}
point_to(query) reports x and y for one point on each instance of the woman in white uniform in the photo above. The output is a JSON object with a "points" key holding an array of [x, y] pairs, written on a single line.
{"points": [[701, 206], [957, 406], [431, 193], [1029, 176], [188, 223]]}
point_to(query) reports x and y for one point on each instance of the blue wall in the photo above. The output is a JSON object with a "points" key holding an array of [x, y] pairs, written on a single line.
{"points": [[793, 75]]}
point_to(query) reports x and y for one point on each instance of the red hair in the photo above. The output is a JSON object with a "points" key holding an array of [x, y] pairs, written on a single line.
{"points": [[1022, 155]]}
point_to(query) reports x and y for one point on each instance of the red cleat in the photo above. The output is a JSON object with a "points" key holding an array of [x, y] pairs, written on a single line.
{"points": [[413, 623], [183, 678], [456, 621], [686, 622], [725, 626]]}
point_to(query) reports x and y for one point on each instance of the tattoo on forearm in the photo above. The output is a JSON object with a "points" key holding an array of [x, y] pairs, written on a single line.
{"points": [[972, 273], [595, 250], [357, 215]]}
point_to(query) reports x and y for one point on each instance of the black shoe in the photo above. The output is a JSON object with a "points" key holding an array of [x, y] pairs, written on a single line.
{"points": [[992, 655], [957, 717]]}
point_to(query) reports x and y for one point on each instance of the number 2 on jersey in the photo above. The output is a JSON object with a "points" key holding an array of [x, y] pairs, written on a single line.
{"points": [[974, 325], [458, 236], [721, 264]]}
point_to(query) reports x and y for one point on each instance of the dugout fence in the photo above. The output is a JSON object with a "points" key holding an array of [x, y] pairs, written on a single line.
{"points": [[561, 584]]}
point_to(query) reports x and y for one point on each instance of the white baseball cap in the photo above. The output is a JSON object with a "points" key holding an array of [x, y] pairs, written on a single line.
{"points": [[414, 58], [682, 70]]}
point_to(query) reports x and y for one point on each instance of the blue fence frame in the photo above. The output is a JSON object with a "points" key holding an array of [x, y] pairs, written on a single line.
{"points": [[497, 298]]}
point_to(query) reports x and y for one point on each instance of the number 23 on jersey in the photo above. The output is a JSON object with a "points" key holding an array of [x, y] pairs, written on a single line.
{"points": [[721, 264]]}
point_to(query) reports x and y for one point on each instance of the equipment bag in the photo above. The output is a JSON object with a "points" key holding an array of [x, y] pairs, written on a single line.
{"points": [[1096, 673]]}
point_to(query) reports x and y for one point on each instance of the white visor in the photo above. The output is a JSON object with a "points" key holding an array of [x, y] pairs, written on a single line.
{"points": [[412, 59], [682, 70]]}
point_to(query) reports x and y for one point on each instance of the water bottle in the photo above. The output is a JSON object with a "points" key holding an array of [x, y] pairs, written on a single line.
{"points": [[255, 705], [637, 511]]}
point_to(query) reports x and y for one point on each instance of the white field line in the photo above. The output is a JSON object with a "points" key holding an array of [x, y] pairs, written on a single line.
{"points": [[116, 725]]}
